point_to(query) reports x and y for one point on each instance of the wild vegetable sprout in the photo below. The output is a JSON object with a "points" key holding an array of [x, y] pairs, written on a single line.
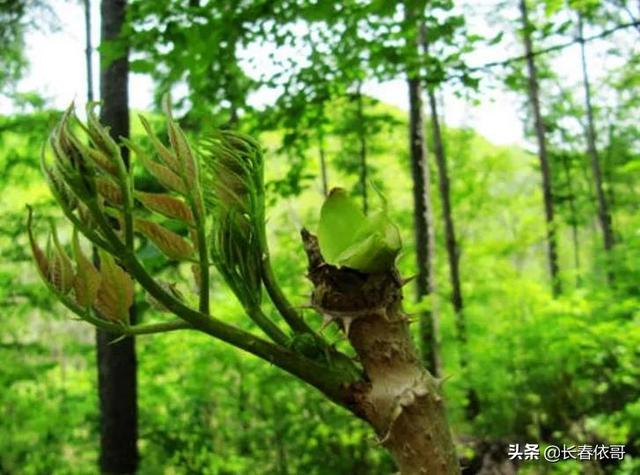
{"points": [[213, 213]]}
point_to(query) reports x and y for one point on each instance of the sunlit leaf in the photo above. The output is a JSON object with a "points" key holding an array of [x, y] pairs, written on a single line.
{"points": [[115, 295], [349, 238], [87, 279], [171, 244]]}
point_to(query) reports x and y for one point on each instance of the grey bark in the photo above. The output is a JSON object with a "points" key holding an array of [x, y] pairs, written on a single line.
{"points": [[422, 215], [397, 396], [88, 51]]}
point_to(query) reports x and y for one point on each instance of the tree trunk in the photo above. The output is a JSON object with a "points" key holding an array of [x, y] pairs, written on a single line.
{"points": [[451, 243], [116, 361], [88, 51], [422, 217], [399, 398], [362, 141], [604, 216], [534, 98]]}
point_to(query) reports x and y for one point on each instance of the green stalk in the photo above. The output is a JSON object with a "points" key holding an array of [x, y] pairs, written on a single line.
{"points": [[288, 312], [331, 381], [148, 329], [128, 208], [203, 257], [267, 326], [279, 299]]}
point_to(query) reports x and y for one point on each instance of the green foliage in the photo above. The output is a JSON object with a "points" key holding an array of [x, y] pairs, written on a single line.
{"points": [[545, 370]]}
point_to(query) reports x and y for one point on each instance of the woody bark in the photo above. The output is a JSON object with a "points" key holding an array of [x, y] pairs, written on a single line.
{"points": [[398, 397]]}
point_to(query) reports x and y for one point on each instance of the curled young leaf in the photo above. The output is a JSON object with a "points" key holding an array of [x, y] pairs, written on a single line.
{"points": [[163, 174], [166, 205], [182, 150], [167, 156], [63, 194], [101, 138], [349, 238], [38, 254], [339, 216], [116, 291], [86, 282], [109, 190], [60, 266], [171, 244]]}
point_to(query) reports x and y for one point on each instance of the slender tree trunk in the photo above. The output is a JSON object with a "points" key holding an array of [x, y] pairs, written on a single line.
{"points": [[116, 361], [422, 216], [88, 51], [451, 243], [362, 141], [399, 398], [534, 98], [604, 216]]}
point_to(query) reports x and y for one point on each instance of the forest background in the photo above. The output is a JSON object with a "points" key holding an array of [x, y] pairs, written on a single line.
{"points": [[526, 256]]}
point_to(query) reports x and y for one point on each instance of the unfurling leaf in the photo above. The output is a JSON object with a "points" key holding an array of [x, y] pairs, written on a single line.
{"points": [[87, 279], [339, 216], [232, 173], [349, 238], [109, 190], [60, 266], [171, 244], [101, 138], [38, 254], [101, 161], [65, 196], [115, 295], [166, 155], [163, 174], [182, 150], [166, 205]]}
